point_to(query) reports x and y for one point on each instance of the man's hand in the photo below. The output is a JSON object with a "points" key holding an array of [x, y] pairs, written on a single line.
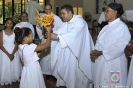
{"points": [[95, 54]]}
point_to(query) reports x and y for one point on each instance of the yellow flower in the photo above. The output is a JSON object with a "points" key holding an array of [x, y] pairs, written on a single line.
{"points": [[45, 20]]}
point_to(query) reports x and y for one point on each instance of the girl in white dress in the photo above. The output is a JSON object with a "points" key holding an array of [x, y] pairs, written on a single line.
{"points": [[31, 74], [10, 64]]}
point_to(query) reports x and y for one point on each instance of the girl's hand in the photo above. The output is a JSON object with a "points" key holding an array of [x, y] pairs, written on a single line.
{"points": [[46, 33], [11, 56], [49, 28]]}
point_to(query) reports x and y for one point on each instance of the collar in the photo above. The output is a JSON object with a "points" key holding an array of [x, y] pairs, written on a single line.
{"points": [[73, 18], [113, 22]]}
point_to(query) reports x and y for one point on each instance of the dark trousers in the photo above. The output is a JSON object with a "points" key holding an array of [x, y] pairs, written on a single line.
{"points": [[36, 35]]}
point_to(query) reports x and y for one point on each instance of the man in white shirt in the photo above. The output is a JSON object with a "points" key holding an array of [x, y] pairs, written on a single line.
{"points": [[24, 23], [70, 58]]}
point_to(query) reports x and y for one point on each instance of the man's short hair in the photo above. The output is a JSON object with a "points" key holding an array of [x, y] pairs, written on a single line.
{"points": [[68, 8]]}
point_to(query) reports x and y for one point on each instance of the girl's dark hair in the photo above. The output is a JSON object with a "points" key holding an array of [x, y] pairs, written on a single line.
{"points": [[21, 33], [117, 7], [7, 19]]}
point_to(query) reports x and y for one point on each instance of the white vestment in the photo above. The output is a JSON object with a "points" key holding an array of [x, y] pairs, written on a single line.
{"points": [[112, 41], [45, 54], [70, 56], [26, 24], [31, 11], [130, 75]]}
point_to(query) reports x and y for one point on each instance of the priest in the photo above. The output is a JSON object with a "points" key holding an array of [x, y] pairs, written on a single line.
{"points": [[70, 58]]}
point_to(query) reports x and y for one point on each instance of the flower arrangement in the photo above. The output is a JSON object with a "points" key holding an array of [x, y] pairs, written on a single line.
{"points": [[45, 20]]}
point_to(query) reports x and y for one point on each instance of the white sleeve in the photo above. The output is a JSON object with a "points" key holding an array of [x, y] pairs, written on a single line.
{"points": [[71, 38], [32, 48], [117, 49], [62, 41]]}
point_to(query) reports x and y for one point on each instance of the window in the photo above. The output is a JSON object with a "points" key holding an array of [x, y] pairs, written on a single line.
{"points": [[6, 8], [41, 2], [78, 10], [1, 12]]}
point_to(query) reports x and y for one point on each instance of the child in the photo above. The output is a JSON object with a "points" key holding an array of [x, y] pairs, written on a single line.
{"points": [[10, 64], [31, 74]]}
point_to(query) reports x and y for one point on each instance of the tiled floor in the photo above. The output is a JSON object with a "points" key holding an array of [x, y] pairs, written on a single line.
{"points": [[49, 84]]}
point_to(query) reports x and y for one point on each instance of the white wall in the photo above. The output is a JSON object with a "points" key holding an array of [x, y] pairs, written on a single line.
{"points": [[90, 6], [127, 4], [53, 5]]}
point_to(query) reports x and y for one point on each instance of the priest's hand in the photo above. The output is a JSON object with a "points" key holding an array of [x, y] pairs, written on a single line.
{"points": [[95, 54], [54, 36]]}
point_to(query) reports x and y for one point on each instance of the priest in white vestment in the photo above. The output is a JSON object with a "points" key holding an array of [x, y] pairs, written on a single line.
{"points": [[110, 61], [45, 54], [70, 55], [24, 23], [31, 7]]}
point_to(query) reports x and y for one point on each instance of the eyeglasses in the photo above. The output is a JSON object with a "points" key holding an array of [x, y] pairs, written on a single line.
{"points": [[106, 11]]}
